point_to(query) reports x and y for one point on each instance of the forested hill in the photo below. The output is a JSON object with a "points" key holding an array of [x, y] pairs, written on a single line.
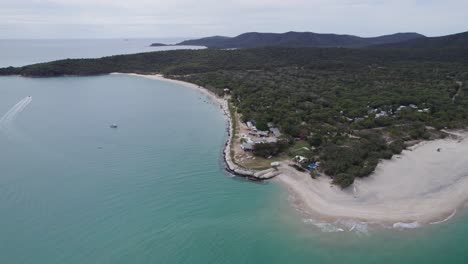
{"points": [[459, 40], [297, 39], [180, 62], [351, 107]]}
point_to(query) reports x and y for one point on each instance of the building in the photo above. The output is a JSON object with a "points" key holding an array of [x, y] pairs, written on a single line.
{"points": [[275, 131], [247, 146], [401, 107], [300, 159], [248, 140], [264, 140], [381, 114], [263, 133], [253, 133], [275, 164]]}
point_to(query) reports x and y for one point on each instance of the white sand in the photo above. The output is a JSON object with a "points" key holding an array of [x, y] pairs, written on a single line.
{"points": [[419, 186], [160, 77]]}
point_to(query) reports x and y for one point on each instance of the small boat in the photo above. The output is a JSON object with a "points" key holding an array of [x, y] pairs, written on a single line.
{"points": [[114, 126]]}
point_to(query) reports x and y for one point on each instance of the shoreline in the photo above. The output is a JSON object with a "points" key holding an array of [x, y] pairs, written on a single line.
{"points": [[421, 186], [404, 192], [230, 165]]}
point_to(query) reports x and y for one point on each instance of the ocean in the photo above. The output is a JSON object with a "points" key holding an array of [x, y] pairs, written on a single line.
{"points": [[154, 190], [20, 52]]}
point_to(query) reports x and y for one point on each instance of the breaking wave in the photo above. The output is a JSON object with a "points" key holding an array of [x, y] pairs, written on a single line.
{"points": [[401, 225], [341, 225]]}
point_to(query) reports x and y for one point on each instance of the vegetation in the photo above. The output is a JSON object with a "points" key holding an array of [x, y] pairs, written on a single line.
{"points": [[266, 150], [350, 107]]}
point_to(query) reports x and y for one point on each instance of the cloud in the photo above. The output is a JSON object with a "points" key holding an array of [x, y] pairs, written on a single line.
{"points": [[194, 18]]}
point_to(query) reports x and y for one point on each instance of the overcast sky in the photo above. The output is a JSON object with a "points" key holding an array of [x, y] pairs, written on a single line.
{"points": [[197, 18]]}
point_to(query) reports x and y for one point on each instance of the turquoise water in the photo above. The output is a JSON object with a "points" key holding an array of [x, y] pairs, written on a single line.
{"points": [[73, 190]]}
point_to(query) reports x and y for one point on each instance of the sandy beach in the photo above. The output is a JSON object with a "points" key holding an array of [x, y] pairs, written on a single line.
{"points": [[420, 186]]}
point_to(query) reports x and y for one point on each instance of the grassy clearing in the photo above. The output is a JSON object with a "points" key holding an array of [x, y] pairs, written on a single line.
{"points": [[300, 148]]}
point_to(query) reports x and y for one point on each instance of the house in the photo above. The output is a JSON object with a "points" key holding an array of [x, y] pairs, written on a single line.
{"points": [[247, 146], [253, 133], [275, 131], [248, 140], [264, 140], [275, 164], [259, 141], [249, 125], [227, 91], [300, 159], [401, 107], [263, 133], [381, 114]]}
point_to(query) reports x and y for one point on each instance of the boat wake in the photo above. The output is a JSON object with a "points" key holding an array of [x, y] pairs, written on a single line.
{"points": [[11, 115]]}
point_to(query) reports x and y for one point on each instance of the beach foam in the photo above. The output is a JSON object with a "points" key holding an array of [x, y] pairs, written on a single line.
{"points": [[401, 225]]}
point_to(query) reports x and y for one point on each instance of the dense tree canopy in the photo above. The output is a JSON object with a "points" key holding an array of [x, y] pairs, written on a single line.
{"points": [[353, 106]]}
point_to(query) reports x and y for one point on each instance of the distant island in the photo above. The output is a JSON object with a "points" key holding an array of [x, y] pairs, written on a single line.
{"points": [[297, 39], [159, 45]]}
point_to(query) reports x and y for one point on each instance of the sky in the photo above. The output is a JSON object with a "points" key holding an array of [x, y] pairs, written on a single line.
{"points": [[199, 18]]}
